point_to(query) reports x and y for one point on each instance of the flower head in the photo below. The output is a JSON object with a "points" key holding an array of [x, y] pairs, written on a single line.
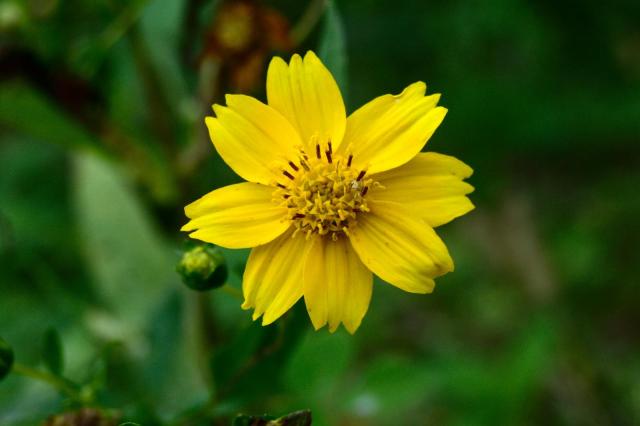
{"points": [[330, 200]]}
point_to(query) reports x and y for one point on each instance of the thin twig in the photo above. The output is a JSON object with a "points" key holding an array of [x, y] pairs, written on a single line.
{"points": [[54, 381], [232, 291], [308, 21]]}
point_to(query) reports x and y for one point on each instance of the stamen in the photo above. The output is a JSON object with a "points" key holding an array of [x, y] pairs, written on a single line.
{"points": [[324, 197], [328, 153]]}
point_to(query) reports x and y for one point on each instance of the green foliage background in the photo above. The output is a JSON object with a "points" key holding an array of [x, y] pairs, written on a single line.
{"points": [[101, 100]]}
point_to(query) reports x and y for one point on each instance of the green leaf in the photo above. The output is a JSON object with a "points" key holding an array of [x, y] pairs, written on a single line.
{"points": [[252, 363], [318, 363], [333, 46], [6, 358], [24, 109], [52, 353], [132, 267]]}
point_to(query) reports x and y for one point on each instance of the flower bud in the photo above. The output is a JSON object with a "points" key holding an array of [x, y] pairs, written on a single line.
{"points": [[203, 268]]}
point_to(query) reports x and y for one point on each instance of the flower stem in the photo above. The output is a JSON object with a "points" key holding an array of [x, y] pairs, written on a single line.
{"points": [[308, 21], [56, 382], [232, 291]]}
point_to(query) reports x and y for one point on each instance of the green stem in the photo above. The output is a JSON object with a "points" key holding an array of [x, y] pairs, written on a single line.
{"points": [[56, 382], [232, 291], [308, 21]]}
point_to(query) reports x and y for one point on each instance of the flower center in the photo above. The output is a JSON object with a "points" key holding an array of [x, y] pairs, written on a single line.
{"points": [[323, 194]]}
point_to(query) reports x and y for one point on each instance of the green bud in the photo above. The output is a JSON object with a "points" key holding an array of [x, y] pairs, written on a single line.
{"points": [[6, 359], [203, 268]]}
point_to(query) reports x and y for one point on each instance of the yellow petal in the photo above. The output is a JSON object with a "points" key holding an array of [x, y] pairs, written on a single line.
{"points": [[390, 130], [272, 281], [337, 285], [306, 93], [429, 186], [400, 248], [253, 138], [236, 216]]}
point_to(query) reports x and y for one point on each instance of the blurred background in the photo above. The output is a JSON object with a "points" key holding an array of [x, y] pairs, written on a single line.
{"points": [[102, 143]]}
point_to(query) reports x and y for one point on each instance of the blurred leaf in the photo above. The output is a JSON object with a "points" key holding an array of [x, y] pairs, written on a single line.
{"points": [[391, 385], [6, 358], [333, 46], [26, 110], [316, 367], [52, 354], [161, 24], [130, 263], [252, 363]]}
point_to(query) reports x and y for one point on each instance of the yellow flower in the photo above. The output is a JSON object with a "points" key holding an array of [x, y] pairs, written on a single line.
{"points": [[330, 200]]}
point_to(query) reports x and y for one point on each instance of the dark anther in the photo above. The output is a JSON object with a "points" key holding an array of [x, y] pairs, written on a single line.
{"points": [[279, 185], [287, 174], [349, 160], [361, 175], [298, 216], [330, 148], [285, 196], [364, 191], [293, 166], [318, 151], [329, 155], [304, 164]]}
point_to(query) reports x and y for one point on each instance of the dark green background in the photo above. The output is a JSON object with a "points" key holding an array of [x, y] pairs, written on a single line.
{"points": [[537, 325]]}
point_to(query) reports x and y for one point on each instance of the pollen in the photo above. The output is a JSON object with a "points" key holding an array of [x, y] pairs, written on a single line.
{"points": [[322, 192]]}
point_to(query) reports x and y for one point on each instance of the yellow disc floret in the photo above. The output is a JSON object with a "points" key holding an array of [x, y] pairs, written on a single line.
{"points": [[323, 193]]}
